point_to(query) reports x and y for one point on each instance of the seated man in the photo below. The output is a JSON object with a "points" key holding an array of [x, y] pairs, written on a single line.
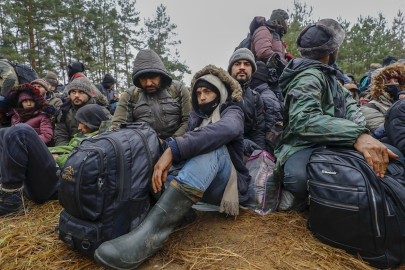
{"points": [[212, 149], [155, 99], [29, 166], [318, 111], [44, 87], [241, 67], [80, 95]]}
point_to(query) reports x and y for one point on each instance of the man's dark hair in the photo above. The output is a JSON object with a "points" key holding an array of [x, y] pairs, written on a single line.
{"points": [[388, 60]]}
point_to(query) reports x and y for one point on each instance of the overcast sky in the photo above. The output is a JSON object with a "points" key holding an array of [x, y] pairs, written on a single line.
{"points": [[211, 29]]}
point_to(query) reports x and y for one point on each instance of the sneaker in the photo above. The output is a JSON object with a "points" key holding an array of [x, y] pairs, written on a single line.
{"points": [[12, 203]]}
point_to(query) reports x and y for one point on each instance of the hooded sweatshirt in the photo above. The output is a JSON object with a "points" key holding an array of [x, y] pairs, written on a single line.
{"points": [[317, 110], [165, 114], [202, 138]]}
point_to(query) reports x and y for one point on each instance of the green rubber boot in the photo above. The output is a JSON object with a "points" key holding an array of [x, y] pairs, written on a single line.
{"points": [[132, 249]]}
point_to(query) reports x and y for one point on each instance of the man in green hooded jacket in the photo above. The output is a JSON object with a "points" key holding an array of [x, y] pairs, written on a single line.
{"points": [[318, 111]]}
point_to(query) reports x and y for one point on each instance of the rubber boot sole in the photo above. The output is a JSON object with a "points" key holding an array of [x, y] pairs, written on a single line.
{"points": [[106, 265]]}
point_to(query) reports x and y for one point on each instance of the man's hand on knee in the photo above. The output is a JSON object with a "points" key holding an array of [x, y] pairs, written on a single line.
{"points": [[376, 154], [161, 169]]}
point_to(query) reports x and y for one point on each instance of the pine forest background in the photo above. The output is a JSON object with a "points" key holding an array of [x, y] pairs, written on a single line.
{"points": [[104, 34]]}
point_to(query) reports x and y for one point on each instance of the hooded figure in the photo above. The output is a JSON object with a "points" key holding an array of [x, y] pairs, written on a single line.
{"points": [[266, 40], [211, 173], [384, 91], [164, 104], [36, 116]]}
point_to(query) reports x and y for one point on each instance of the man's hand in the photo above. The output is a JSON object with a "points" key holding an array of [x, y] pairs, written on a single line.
{"points": [[55, 156], [115, 96], [376, 154], [161, 169]]}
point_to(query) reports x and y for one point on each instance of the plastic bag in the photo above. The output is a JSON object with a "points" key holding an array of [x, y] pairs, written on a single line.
{"points": [[263, 188]]}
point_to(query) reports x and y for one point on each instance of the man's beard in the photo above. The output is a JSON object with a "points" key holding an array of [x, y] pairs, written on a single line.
{"points": [[156, 88], [242, 81]]}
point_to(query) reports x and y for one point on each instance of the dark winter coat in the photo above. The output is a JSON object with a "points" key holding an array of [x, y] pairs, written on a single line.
{"points": [[254, 124], [227, 131], [395, 125], [272, 105], [265, 42], [39, 121], [67, 124], [160, 110]]}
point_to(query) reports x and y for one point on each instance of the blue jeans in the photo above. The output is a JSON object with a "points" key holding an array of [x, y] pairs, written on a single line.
{"points": [[25, 159], [295, 173], [208, 172]]}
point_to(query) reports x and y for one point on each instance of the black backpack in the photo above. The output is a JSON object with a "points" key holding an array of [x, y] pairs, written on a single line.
{"points": [[354, 210], [104, 186], [256, 23], [24, 73]]}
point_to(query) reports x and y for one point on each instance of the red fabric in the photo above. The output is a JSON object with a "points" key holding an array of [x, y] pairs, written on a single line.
{"points": [[263, 45], [40, 122]]}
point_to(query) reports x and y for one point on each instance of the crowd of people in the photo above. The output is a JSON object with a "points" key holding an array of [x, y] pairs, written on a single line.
{"points": [[207, 131]]}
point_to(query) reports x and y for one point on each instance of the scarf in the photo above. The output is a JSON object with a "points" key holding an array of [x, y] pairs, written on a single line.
{"points": [[25, 114]]}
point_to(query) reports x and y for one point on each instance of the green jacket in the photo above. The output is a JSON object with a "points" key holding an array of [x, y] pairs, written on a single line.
{"points": [[8, 77], [309, 118], [64, 151], [375, 118]]}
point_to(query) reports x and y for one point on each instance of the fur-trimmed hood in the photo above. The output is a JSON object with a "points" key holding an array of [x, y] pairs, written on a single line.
{"points": [[230, 83], [11, 100], [379, 80]]}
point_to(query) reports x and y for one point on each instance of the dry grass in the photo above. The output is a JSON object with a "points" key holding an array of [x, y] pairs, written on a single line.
{"points": [[275, 241]]}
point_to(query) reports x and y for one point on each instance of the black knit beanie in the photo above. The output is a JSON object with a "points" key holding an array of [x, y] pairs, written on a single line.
{"points": [[206, 84], [282, 13], [108, 81], [76, 67], [91, 115], [262, 73]]}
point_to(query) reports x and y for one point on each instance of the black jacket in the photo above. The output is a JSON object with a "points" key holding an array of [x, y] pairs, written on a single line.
{"points": [[395, 126], [254, 124]]}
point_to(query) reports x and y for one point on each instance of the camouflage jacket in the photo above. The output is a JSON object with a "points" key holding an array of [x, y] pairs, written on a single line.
{"points": [[8, 77], [311, 91]]}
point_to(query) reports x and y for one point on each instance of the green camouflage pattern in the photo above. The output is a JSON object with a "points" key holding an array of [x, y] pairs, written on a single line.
{"points": [[108, 125], [194, 194], [308, 113]]}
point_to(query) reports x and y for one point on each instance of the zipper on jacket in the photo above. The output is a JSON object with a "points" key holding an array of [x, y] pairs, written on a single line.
{"points": [[83, 223], [332, 203], [316, 183]]}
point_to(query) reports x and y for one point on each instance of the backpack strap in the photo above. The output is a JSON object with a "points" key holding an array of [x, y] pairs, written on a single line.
{"points": [[175, 91]]}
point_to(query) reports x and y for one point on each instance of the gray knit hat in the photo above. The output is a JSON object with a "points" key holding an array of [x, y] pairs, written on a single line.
{"points": [[81, 84], [320, 39], [242, 54], [51, 75]]}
